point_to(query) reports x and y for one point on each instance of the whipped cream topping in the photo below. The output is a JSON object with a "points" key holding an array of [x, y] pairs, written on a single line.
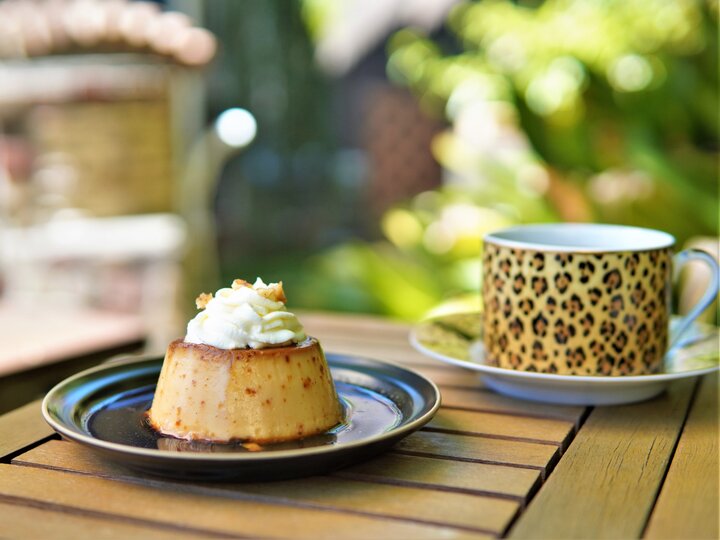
{"points": [[245, 316]]}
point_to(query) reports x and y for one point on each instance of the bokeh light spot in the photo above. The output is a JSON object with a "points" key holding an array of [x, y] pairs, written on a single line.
{"points": [[402, 228], [236, 127], [630, 73], [438, 238]]}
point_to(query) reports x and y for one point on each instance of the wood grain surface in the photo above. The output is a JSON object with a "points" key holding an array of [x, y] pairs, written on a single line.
{"points": [[445, 474], [606, 484], [470, 511], [688, 506], [457, 377], [486, 466], [469, 473], [192, 507], [21, 521], [22, 427], [74, 334], [485, 400], [542, 430]]}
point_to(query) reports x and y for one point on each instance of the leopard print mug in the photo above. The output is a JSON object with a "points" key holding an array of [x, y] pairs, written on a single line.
{"points": [[582, 299]]}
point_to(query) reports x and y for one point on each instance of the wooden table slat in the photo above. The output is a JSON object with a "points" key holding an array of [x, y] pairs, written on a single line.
{"points": [[40, 337], [179, 505], [366, 348], [444, 375], [475, 471], [688, 505], [485, 400], [608, 478], [501, 425], [447, 474], [22, 427], [334, 493], [50, 523], [353, 324], [481, 449]]}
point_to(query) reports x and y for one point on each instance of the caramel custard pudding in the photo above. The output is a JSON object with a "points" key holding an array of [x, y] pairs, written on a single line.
{"points": [[245, 371]]}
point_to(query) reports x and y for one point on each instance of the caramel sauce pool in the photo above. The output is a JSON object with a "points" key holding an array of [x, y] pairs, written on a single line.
{"points": [[122, 420]]}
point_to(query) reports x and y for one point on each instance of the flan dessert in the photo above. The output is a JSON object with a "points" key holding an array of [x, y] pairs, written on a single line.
{"points": [[245, 371]]}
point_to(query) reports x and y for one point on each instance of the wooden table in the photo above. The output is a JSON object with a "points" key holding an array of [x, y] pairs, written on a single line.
{"points": [[486, 466], [41, 346]]}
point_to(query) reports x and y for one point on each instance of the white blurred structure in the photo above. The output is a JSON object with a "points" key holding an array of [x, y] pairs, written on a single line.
{"points": [[107, 167], [358, 26], [128, 264]]}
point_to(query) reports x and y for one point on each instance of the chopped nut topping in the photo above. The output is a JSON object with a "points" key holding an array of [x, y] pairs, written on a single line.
{"points": [[273, 292], [202, 300], [252, 447]]}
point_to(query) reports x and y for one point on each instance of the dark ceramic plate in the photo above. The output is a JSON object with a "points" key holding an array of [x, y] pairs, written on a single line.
{"points": [[104, 407]]}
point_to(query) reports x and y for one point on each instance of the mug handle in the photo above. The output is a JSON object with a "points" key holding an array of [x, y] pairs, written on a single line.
{"points": [[680, 260]]}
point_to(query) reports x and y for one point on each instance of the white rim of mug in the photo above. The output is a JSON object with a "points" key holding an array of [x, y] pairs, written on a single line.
{"points": [[495, 238]]}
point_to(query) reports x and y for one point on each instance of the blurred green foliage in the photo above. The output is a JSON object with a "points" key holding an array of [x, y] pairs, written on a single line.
{"points": [[578, 110]]}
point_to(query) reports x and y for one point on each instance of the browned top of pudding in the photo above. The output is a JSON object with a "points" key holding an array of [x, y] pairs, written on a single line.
{"points": [[210, 353]]}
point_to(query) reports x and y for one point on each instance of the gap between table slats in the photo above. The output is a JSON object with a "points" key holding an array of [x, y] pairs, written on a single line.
{"points": [[688, 505], [497, 425], [483, 400], [505, 455], [459, 427], [481, 450], [363, 498], [56, 521], [440, 474], [215, 507], [464, 510], [606, 483], [22, 428]]}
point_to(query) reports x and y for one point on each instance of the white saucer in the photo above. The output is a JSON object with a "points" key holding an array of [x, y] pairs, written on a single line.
{"points": [[455, 339]]}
